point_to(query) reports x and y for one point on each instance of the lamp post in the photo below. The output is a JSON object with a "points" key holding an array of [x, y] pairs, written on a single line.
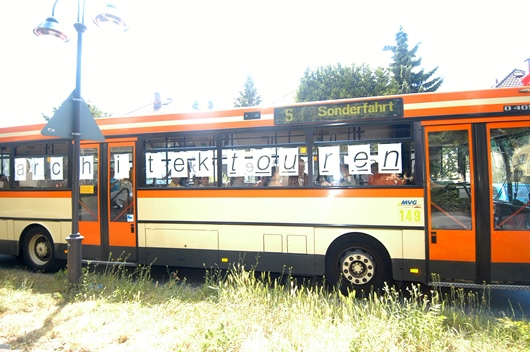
{"points": [[51, 27]]}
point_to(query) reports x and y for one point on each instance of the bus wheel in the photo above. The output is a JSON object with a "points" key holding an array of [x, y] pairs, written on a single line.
{"points": [[357, 263], [38, 250]]}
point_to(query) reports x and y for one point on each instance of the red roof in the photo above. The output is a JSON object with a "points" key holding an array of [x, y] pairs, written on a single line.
{"points": [[526, 80]]}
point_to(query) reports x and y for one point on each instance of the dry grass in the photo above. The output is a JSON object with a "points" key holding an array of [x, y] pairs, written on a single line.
{"points": [[120, 311]]}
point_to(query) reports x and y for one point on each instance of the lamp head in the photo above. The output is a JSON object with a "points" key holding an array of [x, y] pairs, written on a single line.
{"points": [[50, 27], [110, 15]]}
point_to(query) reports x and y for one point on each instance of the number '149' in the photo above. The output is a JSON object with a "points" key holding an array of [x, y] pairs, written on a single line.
{"points": [[410, 215]]}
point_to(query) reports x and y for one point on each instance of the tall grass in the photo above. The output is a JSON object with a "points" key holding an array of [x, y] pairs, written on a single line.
{"points": [[117, 309]]}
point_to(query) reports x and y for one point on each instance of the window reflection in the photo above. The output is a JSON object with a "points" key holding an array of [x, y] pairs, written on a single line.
{"points": [[510, 175], [450, 183]]}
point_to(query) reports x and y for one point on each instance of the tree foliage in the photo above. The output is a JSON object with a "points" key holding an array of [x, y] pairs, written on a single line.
{"points": [[339, 82], [404, 64], [94, 110], [249, 95]]}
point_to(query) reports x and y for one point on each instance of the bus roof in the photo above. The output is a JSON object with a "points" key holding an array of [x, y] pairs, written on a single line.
{"points": [[477, 103]]}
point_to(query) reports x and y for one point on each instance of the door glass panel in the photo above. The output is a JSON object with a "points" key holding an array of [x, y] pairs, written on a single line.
{"points": [[450, 191], [88, 185], [5, 175], [510, 175], [121, 184]]}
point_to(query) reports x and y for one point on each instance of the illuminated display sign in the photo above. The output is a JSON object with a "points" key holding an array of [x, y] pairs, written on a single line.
{"points": [[368, 109]]}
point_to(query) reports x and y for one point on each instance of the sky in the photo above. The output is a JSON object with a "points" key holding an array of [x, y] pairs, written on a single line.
{"points": [[204, 50]]}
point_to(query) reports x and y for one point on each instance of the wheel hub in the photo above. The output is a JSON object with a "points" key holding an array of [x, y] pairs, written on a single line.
{"points": [[41, 249], [357, 266]]}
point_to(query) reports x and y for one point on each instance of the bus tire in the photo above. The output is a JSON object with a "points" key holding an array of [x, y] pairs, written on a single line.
{"points": [[357, 263], [38, 250]]}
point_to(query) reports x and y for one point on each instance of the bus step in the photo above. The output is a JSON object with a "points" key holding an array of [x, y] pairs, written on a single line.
{"points": [[105, 262], [480, 286]]}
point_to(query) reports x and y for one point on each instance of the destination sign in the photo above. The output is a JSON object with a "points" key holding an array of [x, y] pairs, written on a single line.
{"points": [[367, 109]]}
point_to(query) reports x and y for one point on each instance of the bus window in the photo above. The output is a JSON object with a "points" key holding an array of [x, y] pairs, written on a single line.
{"points": [[249, 159], [349, 155], [41, 165], [5, 174], [190, 158]]}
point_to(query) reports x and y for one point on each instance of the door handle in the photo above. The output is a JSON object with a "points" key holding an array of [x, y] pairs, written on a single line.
{"points": [[433, 237]]}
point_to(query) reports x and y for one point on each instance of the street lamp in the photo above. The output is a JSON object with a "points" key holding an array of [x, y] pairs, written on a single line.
{"points": [[51, 27]]}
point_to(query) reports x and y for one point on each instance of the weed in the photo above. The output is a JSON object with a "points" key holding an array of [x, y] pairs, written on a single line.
{"points": [[122, 308]]}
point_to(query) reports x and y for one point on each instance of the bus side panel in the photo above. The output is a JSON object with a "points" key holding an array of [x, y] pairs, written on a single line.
{"points": [[22, 209], [8, 245], [355, 207], [269, 248], [180, 245], [36, 205], [258, 229]]}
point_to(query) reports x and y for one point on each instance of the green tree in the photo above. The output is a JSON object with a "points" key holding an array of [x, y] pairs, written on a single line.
{"points": [[94, 110], [339, 82], [403, 68], [249, 95]]}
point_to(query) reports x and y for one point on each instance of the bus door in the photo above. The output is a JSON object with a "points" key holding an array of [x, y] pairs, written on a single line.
{"points": [[90, 201], [509, 169], [107, 218], [120, 201], [450, 195]]}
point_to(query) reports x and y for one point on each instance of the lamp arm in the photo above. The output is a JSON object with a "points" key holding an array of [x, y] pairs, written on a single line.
{"points": [[81, 14], [53, 8]]}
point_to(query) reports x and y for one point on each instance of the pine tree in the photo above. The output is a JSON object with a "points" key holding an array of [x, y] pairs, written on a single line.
{"points": [[249, 95], [404, 64]]}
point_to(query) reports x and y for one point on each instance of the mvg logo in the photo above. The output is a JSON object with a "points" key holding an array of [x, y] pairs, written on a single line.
{"points": [[408, 203]]}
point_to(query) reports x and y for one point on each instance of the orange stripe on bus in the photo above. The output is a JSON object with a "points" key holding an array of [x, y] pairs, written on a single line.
{"points": [[123, 140], [24, 137], [405, 192], [460, 95], [521, 121], [35, 194], [180, 116], [453, 111], [187, 127]]}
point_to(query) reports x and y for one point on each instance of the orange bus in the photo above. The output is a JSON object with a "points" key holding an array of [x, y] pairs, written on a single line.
{"points": [[361, 191]]}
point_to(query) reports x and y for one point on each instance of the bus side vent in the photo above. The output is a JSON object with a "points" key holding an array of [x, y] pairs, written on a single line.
{"points": [[252, 115]]}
